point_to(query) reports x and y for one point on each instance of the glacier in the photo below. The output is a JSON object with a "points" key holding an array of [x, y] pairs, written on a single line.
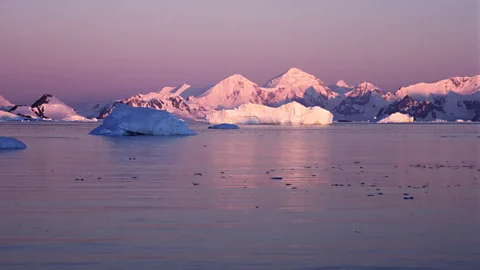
{"points": [[290, 113], [397, 118], [11, 143], [130, 121]]}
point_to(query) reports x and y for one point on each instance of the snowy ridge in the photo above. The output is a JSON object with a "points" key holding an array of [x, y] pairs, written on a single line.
{"points": [[450, 107], [341, 87], [49, 107], [450, 99], [229, 93], [159, 101], [297, 85], [362, 103], [25, 111], [343, 84], [459, 85], [6, 116], [5, 105]]}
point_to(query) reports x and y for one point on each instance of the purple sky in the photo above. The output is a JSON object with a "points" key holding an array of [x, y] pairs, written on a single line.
{"points": [[90, 50]]}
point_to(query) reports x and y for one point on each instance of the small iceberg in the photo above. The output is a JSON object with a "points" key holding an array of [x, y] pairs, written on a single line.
{"points": [[290, 113], [397, 118], [11, 143], [224, 126], [131, 121]]}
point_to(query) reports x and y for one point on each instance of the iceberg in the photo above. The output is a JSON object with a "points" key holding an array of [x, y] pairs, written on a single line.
{"points": [[224, 126], [11, 143], [397, 118], [129, 121], [290, 113]]}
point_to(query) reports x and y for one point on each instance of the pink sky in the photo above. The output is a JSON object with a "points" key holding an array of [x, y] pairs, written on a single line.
{"points": [[92, 50]]}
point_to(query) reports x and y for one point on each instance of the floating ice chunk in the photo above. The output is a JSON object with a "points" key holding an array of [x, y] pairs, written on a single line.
{"points": [[130, 121], [291, 113], [11, 143], [224, 126], [397, 118]]}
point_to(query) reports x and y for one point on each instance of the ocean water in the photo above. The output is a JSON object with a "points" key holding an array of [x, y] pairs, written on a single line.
{"points": [[76, 201]]}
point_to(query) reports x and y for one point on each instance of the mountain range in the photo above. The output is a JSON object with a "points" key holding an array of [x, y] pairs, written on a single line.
{"points": [[449, 99], [47, 107]]}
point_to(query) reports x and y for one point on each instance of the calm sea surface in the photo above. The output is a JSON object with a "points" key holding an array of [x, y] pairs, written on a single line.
{"points": [[76, 201]]}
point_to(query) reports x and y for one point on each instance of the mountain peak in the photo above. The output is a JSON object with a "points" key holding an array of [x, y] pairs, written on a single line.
{"points": [[459, 85], [293, 77], [46, 98], [4, 102], [294, 70], [364, 85], [236, 77], [343, 84], [184, 86]]}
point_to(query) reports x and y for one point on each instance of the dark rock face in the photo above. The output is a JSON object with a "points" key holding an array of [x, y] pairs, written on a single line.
{"points": [[14, 108], [37, 106], [407, 105], [310, 98], [358, 97], [473, 105], [42, 100]]}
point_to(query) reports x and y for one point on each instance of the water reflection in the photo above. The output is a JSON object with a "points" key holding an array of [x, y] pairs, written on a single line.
{"points": [[136, 205]]}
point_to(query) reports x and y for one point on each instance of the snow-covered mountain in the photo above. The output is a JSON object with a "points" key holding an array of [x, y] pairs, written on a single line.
{"points": [[362, 103], [5, 105], [6, 116], [292, 85], [418, 109], [50, 108], [170, 102], [186, 91], [188, 102], [450, 99], [163, 100], [341, 87], [459, 85], [96, 110], [25, 111], [297, 85], [228, 94], [450, 107]]}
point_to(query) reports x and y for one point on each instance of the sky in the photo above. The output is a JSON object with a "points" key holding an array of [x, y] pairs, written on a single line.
{"points": [[88, 50]]}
